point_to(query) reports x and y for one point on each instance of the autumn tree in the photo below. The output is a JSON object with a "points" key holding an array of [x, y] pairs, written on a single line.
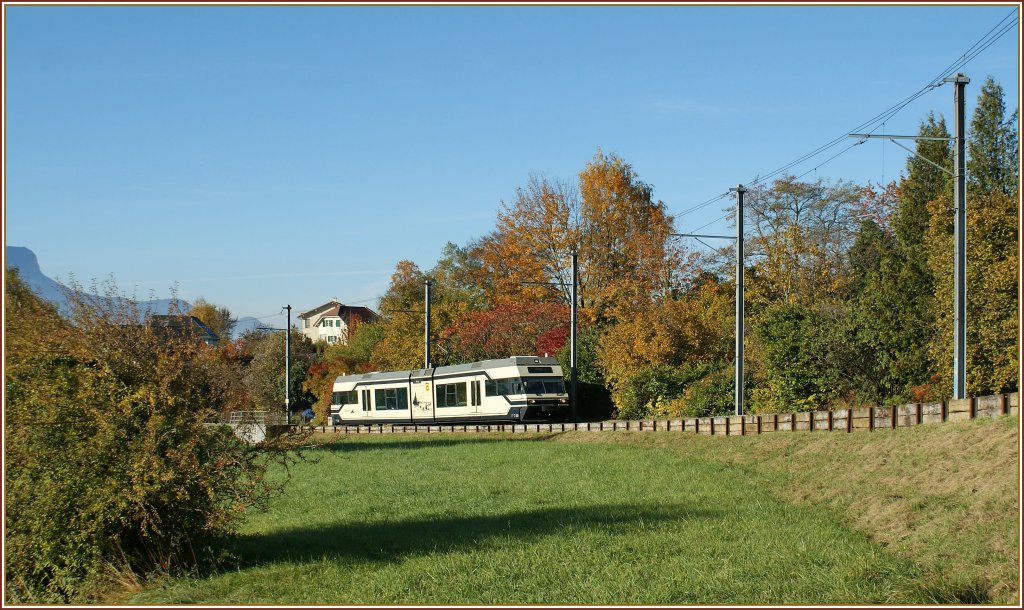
{"points": [[652, 358], [798, 236], [265, 375], [622, 236], [511, 329], [453, 295], [531, 244], [217, 318], [625, 240]]}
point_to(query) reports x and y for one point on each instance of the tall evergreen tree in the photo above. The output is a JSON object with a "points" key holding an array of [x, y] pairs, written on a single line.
{"points": [[992, 156], [924, 183], [895, 311]]}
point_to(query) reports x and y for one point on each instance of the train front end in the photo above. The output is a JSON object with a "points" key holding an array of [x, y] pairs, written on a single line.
{"points": [[543, 388]]}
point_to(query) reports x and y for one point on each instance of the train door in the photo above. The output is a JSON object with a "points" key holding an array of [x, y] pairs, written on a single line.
{"points": [[475, 395], [365, 402], [422, 399]]}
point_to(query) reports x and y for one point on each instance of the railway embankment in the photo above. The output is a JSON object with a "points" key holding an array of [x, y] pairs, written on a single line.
{"points": [[864, 419]]}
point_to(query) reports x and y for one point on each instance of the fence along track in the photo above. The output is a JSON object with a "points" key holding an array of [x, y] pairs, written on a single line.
{"points": [[843, 420]]}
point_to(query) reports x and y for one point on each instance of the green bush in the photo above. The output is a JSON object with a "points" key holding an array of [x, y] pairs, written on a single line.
{"points": [[645, 392], [109, 468], [711, 395]]}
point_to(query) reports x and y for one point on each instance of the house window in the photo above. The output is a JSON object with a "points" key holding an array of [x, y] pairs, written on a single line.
{"points": [[391, 399], [305, 323], [331, 338]]}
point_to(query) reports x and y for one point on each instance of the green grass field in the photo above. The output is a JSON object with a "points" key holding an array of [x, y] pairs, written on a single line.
{"points": [[593, 518]]}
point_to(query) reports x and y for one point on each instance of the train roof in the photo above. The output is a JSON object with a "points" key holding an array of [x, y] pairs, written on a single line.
{"points": [[453, 369]]}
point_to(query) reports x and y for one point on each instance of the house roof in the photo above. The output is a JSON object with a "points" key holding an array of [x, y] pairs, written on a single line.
{"points": [[319, 310], [336, 309]]}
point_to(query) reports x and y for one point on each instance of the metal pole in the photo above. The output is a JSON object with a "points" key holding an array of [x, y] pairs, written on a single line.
{"points": [[572, 334], [426, 325], [739, 297], [288, 368], [959, 241]]}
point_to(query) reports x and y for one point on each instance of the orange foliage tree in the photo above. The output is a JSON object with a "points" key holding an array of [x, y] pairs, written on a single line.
{"points": [[685, 340], [623, 237], [511, 329]]}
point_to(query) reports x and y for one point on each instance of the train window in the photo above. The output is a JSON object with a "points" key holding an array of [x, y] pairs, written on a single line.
{"points": [[391, 399], [474, 387], [344, 398], [540, 369], [544, 385], [451, 395], [503, 387]]}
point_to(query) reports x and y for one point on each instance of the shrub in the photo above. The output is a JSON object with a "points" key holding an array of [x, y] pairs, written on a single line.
{"points": [[711, 395], [108, 464]]}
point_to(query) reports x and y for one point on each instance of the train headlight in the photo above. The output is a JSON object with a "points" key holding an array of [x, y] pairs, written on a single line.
{"points": [[531, 402]]}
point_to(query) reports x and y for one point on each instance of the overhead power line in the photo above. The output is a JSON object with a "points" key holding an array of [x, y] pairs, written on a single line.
{"points": [[871, 125]]}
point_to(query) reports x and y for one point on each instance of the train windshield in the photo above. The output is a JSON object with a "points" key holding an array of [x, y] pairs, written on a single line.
{"points": [[544, 385]]}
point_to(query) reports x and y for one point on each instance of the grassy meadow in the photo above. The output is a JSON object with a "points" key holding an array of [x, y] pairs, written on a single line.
{"points": [[923, 515]]}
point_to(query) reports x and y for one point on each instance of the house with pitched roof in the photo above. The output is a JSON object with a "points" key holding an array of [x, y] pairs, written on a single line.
{"points": [[332, 321]]}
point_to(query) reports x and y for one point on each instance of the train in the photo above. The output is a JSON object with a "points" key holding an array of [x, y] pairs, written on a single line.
{"points": [[514, 389]]}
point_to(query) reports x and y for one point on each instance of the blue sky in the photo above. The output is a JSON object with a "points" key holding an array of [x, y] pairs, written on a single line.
{"points": [[261, 156]]}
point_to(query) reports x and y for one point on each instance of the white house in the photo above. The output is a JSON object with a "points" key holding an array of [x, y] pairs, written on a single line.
{"points": [[331, 321]]}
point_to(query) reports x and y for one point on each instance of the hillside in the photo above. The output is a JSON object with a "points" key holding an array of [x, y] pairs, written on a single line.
{"points": [[944, 495]]}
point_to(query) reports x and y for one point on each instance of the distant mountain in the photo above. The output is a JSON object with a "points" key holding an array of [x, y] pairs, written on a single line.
{"points": [[25, 261], [246, 324], [28, 269]]}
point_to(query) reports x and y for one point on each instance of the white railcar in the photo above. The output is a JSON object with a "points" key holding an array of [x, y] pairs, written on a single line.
{"points": [[517, 389]]}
